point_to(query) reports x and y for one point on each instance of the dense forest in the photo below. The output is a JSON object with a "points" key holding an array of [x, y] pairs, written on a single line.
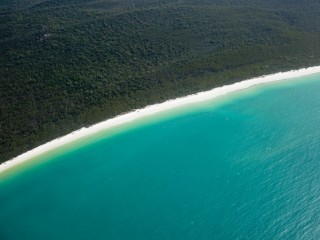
{"points": [[65, 64]]}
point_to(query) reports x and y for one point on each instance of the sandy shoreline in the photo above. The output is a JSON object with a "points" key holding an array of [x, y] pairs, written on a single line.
{"points": [[152, 109]]}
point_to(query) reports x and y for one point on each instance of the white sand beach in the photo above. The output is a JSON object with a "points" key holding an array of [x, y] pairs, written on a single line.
{"points": [[152, 109]]}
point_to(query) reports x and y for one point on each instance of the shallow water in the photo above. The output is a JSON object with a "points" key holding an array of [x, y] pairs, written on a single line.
{"points": [[246, 168]]}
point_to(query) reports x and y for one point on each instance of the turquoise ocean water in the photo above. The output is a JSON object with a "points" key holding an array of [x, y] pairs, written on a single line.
{"points": [[245, 166]]}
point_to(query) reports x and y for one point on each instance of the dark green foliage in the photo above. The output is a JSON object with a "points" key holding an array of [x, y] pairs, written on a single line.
{"points": [[65, 64]]}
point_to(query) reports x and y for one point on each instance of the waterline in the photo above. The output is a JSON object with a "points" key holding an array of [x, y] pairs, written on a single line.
{"points": [[151, 110]]}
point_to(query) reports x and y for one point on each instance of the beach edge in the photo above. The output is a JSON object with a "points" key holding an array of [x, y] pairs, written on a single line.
{"points": [[153, 109]]}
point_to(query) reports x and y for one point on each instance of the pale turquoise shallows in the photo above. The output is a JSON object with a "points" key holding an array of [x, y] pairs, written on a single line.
{"points": [[245, 168]]}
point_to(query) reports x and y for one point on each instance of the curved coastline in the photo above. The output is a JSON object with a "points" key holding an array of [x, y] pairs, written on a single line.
{"points": [[152, 109]]}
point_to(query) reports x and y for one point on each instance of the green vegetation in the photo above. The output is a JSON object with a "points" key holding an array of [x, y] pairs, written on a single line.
{"points": [[65, 64]]}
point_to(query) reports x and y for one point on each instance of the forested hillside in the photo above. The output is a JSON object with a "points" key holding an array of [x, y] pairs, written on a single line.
{"points": [[65, 64]]}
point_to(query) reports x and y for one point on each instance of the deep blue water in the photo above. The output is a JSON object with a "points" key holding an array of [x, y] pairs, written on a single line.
{"points": [[247, 167]]}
